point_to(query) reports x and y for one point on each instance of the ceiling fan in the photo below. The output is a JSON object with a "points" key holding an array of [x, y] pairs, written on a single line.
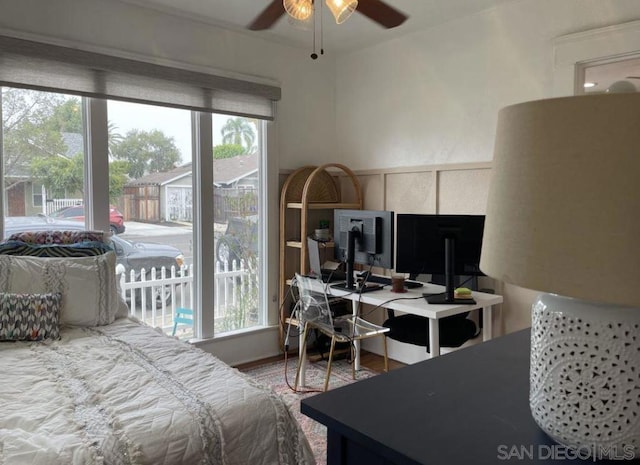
{"points": [[376, 10]]}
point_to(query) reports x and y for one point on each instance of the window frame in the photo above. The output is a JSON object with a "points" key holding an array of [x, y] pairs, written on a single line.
{"points": [[97, 206], [250, 94]]}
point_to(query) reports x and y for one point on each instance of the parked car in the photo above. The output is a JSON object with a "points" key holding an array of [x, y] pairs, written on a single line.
{"points": [[240, 240], [130, 255], [76, 213]]}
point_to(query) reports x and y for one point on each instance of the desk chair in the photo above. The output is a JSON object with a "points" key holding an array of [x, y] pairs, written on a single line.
{"points": [[455, 330], [313, 311]]}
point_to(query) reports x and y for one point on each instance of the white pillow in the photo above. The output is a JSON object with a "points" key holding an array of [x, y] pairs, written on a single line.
{"points": [[87, 284]]}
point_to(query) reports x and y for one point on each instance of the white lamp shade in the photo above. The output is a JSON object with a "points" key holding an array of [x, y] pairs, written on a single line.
{"points": [[342, 9], [563, 213]]}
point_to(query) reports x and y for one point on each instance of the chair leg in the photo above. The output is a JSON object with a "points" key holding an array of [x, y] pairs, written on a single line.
{"points": [[353, 361], [326, 380], [386, 358], [300, 356]]}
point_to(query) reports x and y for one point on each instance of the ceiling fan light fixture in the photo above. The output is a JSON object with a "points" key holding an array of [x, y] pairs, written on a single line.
{"points": [[298, 9], [342, 9]]}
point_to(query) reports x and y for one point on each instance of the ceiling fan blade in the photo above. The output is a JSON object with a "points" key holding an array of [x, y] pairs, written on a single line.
{"points": [[268, 17], [381, 13]]}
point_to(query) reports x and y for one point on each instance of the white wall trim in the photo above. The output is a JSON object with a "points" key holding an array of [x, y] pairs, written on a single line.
{"points": [[412, 169], [241, 348], [618, 40]]}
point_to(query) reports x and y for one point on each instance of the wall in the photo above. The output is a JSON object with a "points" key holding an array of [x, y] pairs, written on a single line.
{"points": [[458, 188], [431, 99]]}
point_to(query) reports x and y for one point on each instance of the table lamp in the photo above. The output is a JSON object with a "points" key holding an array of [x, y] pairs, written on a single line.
{"points": [[563, 218]]}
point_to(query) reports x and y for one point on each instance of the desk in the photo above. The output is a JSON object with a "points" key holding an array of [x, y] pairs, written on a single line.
{"points": [[467, 407], [412, 302]]}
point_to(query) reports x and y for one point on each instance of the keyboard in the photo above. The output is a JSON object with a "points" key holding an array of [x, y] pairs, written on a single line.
{"points": [[386, 281]]}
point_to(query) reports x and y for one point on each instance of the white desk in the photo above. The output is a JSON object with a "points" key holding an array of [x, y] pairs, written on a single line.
{"points": [[417, 306]]}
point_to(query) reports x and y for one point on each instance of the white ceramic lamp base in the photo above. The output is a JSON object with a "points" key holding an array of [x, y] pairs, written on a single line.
{"points": [[585, 375]]}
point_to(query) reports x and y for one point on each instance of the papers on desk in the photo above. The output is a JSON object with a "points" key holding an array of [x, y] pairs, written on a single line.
{"points": [[329, 265]]}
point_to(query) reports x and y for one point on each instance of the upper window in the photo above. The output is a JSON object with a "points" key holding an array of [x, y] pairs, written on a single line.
{"points": [[611, 75]]}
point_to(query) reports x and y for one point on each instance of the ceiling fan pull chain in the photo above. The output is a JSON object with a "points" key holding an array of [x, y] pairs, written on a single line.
{"points": [[321, 31], [314, 55]]}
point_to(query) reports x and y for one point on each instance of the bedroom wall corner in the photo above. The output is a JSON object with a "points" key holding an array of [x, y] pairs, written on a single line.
{"points": [[453, 189]]}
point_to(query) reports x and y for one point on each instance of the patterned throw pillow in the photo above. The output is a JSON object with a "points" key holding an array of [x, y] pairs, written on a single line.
{"points": [[80, 249], [57, 237], [29, 317]]}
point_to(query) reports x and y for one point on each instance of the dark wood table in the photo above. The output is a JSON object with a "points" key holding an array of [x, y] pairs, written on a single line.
{"points": [[466, 407]]}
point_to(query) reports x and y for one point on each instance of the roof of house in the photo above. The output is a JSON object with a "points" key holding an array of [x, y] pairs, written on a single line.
{"points": [[225, 171], [74, 143], [154, 179], [229, 170]]}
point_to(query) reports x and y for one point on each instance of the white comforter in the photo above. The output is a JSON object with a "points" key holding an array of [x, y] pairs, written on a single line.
{"points": [[125, 394]]}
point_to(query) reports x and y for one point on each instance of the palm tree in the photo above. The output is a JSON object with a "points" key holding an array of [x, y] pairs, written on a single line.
{"points": [[114, 137], [239, 131]]}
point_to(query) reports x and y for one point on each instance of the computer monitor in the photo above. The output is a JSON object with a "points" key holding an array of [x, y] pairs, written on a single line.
{"points": [[364, 237], [440, 244]]}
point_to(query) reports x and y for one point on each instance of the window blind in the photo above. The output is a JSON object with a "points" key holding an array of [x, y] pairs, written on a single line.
{"points": [[47, 67]]}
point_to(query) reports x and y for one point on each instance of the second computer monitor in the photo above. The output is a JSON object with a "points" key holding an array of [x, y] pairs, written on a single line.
{"points": [[421, 243], [371, 232]]}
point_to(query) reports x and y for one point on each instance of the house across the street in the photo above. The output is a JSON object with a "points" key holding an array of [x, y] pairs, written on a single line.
{"points": [[167, 197]]}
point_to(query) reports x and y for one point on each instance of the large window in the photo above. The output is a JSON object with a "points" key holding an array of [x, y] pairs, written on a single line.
{"points": [[150, 193], [161, 196]]}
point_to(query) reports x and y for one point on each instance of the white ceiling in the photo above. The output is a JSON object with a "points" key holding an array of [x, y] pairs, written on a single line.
{"points": [[357, 32]]}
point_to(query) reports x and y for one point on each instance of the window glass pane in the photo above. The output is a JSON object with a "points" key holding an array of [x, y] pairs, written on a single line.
{"points": [[612, 76], [37, 194], [43, 157], [150, 177], [236, 176]]}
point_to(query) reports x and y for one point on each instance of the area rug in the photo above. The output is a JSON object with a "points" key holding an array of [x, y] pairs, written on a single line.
{"points": [[273, 375]]}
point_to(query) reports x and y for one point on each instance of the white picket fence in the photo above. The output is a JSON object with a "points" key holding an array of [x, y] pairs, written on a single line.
{"points": [[52, 205], [154, 295]]}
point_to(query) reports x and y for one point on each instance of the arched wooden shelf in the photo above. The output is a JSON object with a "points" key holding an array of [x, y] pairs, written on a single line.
{"points": [[309, 190]]}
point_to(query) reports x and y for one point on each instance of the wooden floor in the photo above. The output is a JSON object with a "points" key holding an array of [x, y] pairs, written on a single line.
{"points": [[369, 360]]}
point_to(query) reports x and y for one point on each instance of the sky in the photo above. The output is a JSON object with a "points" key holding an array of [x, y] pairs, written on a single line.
{"points": [[172, 122]]}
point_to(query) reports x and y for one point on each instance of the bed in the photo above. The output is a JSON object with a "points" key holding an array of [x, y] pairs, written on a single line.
{"points": [[85, 384]]}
